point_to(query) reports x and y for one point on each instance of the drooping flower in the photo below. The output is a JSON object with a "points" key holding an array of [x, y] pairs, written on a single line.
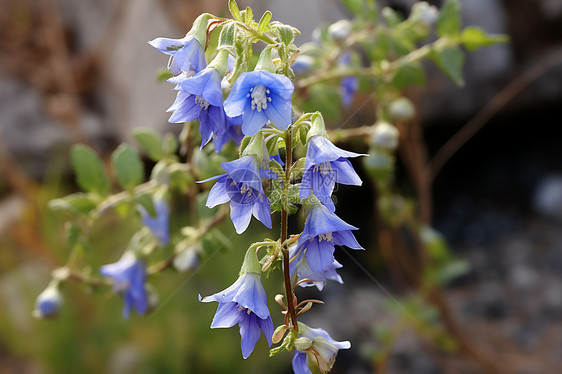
{"points": [[260, 96], [315, 350], [350, 84], [241, 185], [233, 132], [325, 165], [129, 277], [244, 303], [186, 54], [159, 225], [299, 266], [200, 97], [322, 230]]}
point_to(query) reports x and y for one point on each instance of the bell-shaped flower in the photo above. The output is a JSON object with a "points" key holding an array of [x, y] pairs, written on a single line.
{"points": [[350, 84], [325, 165], [200, 97], [299, 266], [322, 230], [233, 132], [260, 96], [186, 54], [315, 350], [159, 225], [242, 186], [244, 303], [129, 277]]}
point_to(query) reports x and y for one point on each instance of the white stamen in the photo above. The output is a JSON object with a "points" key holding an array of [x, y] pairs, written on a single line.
{"points": [[325, 168], [246, 189], [202, 102], [327, 237], [259, 97]]}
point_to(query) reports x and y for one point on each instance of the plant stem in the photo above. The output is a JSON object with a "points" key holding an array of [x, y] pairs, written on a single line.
{"points": [[284, 222]]}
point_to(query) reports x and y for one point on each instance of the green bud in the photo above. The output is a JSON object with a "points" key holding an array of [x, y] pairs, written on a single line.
{"points": [[385, 136], [401, 109]]}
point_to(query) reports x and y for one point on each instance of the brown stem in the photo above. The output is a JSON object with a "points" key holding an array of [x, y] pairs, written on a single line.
{"points": [[284, 222]]}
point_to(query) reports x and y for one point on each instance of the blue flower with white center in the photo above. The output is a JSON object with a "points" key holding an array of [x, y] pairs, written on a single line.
{"points": [[260, 96], [325, 165], [322, 230], [315, 350], [241, 185], [186, 54], [129, 277], [159, 225], [299, 265], [244, 303], [200, 97], [349, 85]]}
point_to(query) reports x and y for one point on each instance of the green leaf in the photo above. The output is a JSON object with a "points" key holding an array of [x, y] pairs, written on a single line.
{"points": [[150, 141], [170, 144], [474, 37], [453, 269], [276, 168], [264, 22], [244, 144], [81, 203], [128, 167], [249, 15], [89, 169], [411, 73], [234, 10], [451, 61], [449, 21], [286, 34]]}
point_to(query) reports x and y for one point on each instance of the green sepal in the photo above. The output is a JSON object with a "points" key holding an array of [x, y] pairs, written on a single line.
{"points": [[251, 263], [318, 127], [265, 61], [227, 36], [199, 28]]}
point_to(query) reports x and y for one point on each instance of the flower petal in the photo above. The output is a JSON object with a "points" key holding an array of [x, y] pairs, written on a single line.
{"points": [[253, 120], [217, 195], [261, 210], [227, 315], [249, 332], [344, 172], [279, 111], [240, 216]]}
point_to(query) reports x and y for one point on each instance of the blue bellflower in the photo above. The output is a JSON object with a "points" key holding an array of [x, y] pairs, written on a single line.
{"points": [[241, 185], [233, 132], [322, 230], [349, 85], [159, 225], [261, 96], [48, 303], [186, 54], [315, 348], [299, 265], [200, 97], [244, 303], [325, 165], [129, 277]]}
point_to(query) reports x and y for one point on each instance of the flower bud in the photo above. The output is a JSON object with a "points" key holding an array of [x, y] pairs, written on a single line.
{"points": [[303, 343], [401, 109], [339, 30], [385, 136], [186, 259], [424, 13], [48, 303]]}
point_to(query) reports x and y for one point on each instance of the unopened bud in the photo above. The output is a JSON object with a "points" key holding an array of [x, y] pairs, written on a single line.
{"points": [[401, 109], [339, 30], [48, 302], [424, 13], [186, 259], [303, 343], [385, 136]]}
